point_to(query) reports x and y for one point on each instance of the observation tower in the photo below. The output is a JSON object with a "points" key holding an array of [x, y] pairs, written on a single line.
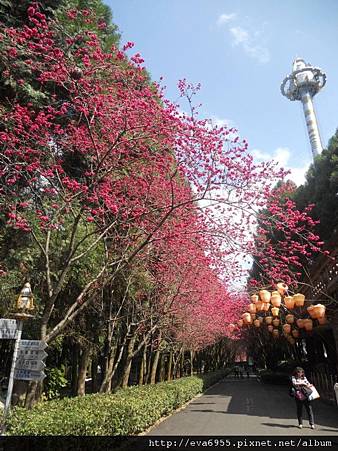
{"points": [[303, 84]]}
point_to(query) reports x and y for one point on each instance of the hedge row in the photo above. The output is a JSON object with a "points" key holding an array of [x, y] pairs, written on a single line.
{"points": [[127, 412]]}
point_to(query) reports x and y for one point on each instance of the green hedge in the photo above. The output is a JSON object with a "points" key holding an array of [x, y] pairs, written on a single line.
{"points": [[127, 412]]}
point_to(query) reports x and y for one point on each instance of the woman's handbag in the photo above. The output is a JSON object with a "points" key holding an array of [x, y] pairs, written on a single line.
{"points": [[299, 395], [307, 391], [314, 393]]}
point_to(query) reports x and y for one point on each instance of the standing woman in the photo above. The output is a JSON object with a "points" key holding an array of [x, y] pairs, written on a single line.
{"points": [[299, 381]]}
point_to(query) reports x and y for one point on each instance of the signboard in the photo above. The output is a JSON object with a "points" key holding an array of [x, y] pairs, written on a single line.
{"points": [[32, 345], [8, 329], [8, 324], [31, 354], [8, 334], [30, 364], [28, 375]]}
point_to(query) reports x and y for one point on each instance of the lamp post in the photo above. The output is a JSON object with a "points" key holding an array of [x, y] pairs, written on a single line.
{"points": [[24, 304]]}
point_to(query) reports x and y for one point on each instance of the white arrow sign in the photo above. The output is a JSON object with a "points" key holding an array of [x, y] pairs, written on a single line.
{"points": [[8, 324], [31, 354], [8, 334], [30, 364], [33, 345], [29, 375]]}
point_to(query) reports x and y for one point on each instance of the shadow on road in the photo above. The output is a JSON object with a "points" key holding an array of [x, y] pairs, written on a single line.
{"points": [[251, 397]]}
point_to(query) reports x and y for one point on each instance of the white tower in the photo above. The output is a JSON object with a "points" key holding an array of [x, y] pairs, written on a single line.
{"points": [[302, 84]]}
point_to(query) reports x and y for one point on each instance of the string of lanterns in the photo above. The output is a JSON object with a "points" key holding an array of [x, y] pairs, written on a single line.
{"points": [[281, 312]]}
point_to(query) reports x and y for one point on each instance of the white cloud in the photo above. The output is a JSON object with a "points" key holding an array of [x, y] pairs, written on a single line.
{"points": [[225, 18], [248, 42], [220, 122], [282, 156]]}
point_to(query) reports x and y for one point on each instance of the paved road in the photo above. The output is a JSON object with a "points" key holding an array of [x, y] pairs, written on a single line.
{"points": [[246, 407]]}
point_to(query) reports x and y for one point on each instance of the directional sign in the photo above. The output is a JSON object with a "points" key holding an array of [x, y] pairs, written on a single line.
{"points": [[8, 334], [33, 345], [23, 364], [8, 324], [31, 354], [29, 375]]}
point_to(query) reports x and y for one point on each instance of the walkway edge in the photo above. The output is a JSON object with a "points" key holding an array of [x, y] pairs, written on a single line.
{"points": [[178, 409]]}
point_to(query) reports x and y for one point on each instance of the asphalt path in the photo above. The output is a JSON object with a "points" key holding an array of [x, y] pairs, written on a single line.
{"points": [[246, 407]]}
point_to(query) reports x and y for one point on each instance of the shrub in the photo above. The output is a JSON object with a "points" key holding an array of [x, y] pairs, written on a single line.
{"points": [[127, 412]]}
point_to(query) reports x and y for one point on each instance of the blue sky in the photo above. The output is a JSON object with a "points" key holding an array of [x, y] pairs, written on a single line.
{"points": [[240, 51]]}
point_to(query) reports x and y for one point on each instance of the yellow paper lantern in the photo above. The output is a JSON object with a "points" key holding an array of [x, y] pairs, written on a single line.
{"points": [[247, 318], [318, 311], [275, 333], [289, 302], [252, 308], [276, 300], [282, 288], [265, 295], [286, 328], [299, 299], [275, 311], [259, 306], [308, 324], [290, 318], [266, 306]]}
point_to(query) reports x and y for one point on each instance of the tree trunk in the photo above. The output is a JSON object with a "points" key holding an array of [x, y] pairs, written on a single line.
{"points": [[81, 380], [162, 367], [191, 363], [154, 366], [74, 367], [143, 367], [170, 365], [94, 374], [127, 365], [108, 373]]}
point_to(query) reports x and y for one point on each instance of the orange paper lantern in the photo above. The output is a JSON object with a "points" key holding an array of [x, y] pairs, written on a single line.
{"points": [[290, 318], [275, 311], [282, 288], [286, 328], [289, 302], [247, 318], [265, 295], [252, 308], [275, 322], [295, 333], [266, 306], [299, 299], [276, 300], [275, 333]]}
